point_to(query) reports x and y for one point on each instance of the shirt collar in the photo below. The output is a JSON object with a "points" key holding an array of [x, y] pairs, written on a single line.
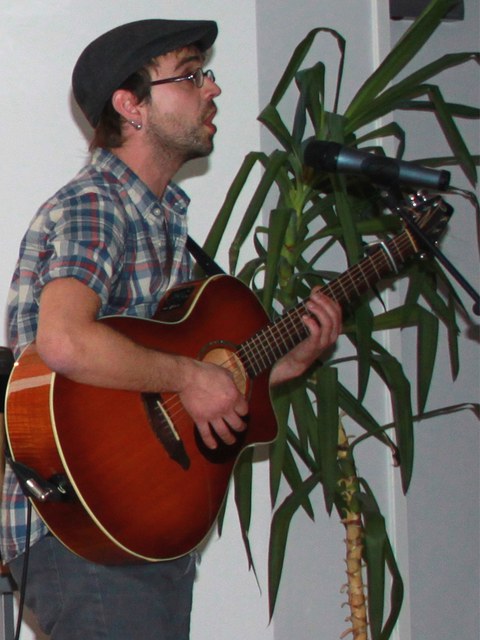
{"points": [[173, 198]]}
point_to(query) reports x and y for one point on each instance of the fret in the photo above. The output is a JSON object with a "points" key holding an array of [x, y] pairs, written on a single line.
{"points": [[384, 263], [266, 352], [406, 239], [248, 360], [285, 345], [258, 341], [349, 273], [339, 283], [373, 263], [271, 353], [359, 279], [300, 329], [362, 273], [281, 344]]}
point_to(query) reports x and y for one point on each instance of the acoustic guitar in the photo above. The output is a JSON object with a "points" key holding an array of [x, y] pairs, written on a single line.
{"points": [[133, 481]]}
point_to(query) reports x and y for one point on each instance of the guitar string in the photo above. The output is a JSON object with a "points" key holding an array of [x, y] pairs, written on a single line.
{"points": [[292, 321], [174, 403], [356, 275]]}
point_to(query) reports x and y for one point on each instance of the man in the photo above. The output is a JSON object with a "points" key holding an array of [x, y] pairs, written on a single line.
{"points": [[112, 241]]}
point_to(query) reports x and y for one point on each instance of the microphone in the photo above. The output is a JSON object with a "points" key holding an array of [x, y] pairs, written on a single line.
{"points": [[334, 157]]}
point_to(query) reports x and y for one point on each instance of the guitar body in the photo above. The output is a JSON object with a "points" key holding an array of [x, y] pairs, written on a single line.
{"points": [[133, 497]]}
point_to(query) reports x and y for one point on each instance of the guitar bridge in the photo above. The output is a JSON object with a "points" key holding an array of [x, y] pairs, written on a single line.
{"points": [[164, 430]]}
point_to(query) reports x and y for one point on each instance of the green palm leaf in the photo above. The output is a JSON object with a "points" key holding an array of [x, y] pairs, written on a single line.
{"points": [[412, 41], [379, 556], [279, 533], [326, 391], [392, 373]]}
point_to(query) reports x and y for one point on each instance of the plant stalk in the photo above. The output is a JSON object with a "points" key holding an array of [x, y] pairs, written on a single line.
{"points": [[351, 520]]}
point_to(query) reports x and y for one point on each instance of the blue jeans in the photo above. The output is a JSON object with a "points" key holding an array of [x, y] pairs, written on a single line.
{"points": [[76, 599]]}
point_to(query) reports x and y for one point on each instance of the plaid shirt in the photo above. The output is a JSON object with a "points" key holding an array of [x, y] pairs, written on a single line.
{"points": [[108, 230]]}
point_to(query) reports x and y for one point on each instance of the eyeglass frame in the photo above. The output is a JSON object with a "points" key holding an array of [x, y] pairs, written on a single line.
{"points": [[198, 73]]}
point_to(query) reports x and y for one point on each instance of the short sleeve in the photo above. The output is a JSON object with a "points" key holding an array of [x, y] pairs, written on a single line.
{"points": [[85, 241]]}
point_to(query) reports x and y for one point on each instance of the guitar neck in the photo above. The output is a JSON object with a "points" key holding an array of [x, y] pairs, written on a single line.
{"points": [[260, 352]]}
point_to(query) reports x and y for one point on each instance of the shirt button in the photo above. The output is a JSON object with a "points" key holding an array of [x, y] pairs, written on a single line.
{"points": [[157, 211]]}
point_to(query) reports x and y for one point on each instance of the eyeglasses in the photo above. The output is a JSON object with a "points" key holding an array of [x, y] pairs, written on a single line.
{"points": [[197, 77]]}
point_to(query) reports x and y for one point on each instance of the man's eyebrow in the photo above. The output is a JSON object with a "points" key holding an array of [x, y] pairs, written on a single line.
{"points": [[187, 59]]}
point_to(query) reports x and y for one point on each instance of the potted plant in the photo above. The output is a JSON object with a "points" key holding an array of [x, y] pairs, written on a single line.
{"points": [[312, 215]]}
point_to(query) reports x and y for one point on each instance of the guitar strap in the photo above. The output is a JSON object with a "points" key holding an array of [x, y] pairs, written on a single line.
{"points": [[208, 264], [6, 364]]}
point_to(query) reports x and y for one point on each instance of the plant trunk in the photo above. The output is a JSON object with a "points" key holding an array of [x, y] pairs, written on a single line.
{"points": [[351, 519]]}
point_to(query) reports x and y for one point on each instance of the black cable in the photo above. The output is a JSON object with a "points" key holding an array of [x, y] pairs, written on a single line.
{"points": [[23, 585]]}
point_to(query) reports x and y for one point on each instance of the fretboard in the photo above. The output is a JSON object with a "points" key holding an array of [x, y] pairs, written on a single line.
{"points": [[260, 352]]}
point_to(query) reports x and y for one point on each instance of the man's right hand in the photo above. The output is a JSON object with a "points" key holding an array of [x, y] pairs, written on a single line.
{"points": [[214, 402]]}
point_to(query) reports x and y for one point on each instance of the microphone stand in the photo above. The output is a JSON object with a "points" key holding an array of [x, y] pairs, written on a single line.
{"points": [[396, 203]]}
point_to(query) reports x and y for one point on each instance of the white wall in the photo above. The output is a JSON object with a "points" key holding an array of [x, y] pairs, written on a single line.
{"points": [[43, 145], [442, 506]]}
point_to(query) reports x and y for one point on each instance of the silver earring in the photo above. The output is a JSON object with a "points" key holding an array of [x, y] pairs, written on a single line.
{"points": [[135, 125]]}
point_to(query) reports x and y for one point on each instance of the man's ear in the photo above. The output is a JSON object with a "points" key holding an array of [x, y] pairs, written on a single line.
{"points": [[126, 104]]}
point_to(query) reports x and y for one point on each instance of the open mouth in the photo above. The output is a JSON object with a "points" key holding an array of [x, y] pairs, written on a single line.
{"points": [[208, 121]]}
